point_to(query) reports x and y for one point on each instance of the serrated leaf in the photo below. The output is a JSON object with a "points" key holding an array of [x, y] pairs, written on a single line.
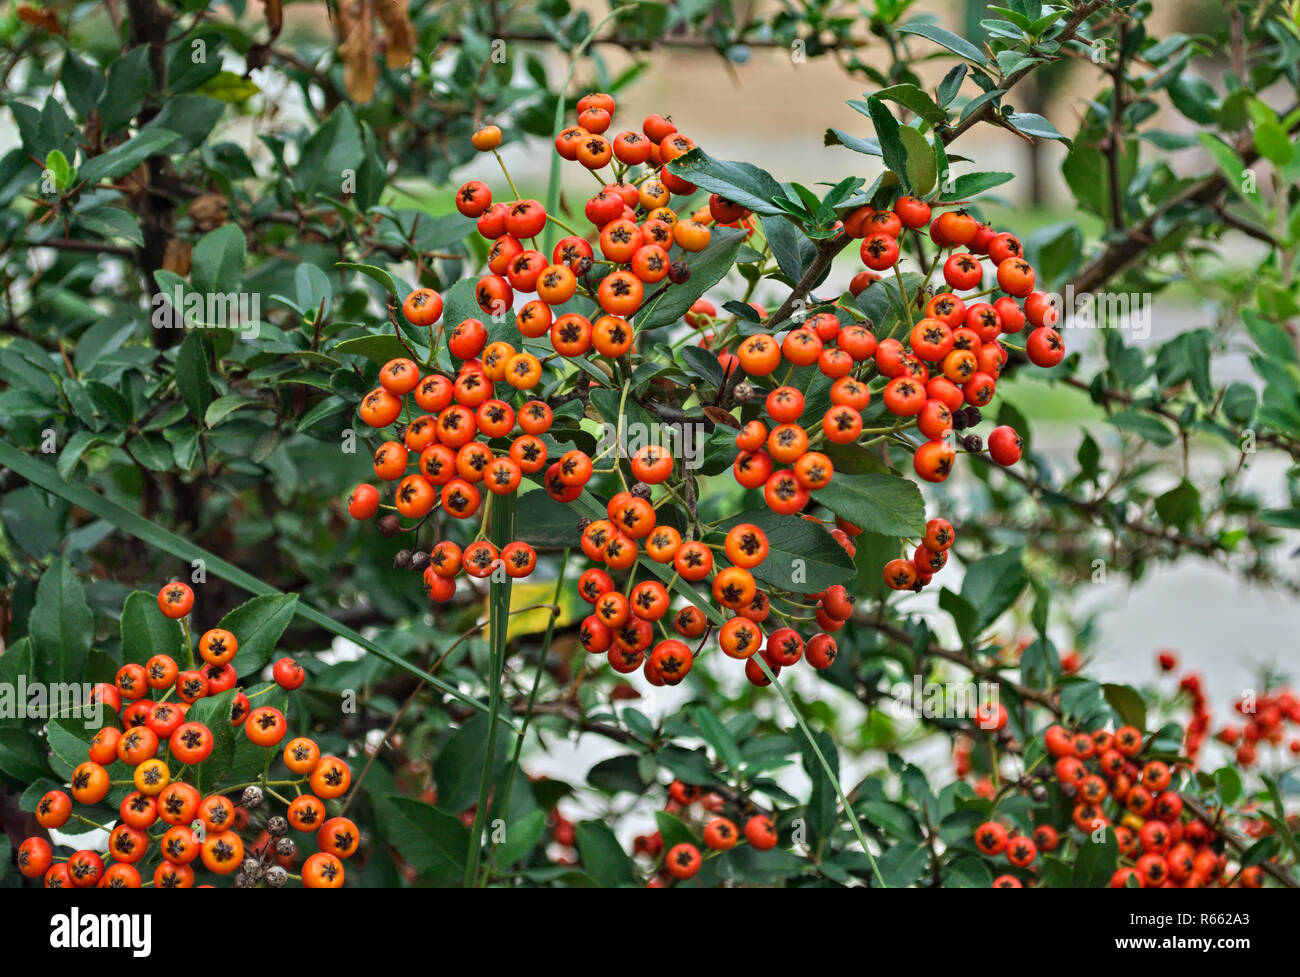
{"points": [[602, 856], [257, 625], [61, 627], [146, 631], [886, 504], [1128, 705]]}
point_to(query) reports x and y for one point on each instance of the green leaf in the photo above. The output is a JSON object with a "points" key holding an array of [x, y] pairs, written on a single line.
{"points": [[741, 183], [432, 841], [922, 170], [111, 223], [192, 117], [951, 84], [1282, 518], [1271, 338], [379, 348], [964, 614], [152, 451], [902, 865], [822, 802], [333, 148], [717, 736], [838, 137], [521, 838], [894, 819], [61, 626], [674, 830], [957, 45], [914, 99], [192, 377], [1273, 143], [381, 275], [257, 625], [877, 503], [708, 267], [1034, 125], [1194, 97], [129, 80], [891, 142], [146, 631], [1186, 357], [993, 583], [223, 407], [459, 765], [219, 260], [617, 773], [73, 450], [1229, 783], [705, 364], [57, 164], [214, 712], [1096, 862], [1259, 852], [124, 158], [22, 756], [229, 86], [802, 556], [1128, 705], [969, 184], [602, 855], [1180, 506], [1239, 402], [1147, 426], [69, 738], [82, 81], [966, 872]]}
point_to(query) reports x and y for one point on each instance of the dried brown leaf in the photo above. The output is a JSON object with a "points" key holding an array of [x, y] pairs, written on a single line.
{"points": [[356, 49], [209, 210], [399, 32], [719, 416], [177, 257]]}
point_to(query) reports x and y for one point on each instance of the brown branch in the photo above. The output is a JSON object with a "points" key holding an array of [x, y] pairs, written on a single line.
{"points": [[1205, 192], [1093, 509]]}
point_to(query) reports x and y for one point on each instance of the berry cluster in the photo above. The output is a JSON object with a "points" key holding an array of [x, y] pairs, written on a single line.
{"points": [[1266, 717], [165, 818], [1103, 779], [450, 446], [720, 834], [627, 251]]}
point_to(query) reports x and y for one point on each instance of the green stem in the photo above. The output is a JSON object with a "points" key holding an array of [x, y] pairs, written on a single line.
{"points": [[826, 767], [502, 532], [532, 700]]}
